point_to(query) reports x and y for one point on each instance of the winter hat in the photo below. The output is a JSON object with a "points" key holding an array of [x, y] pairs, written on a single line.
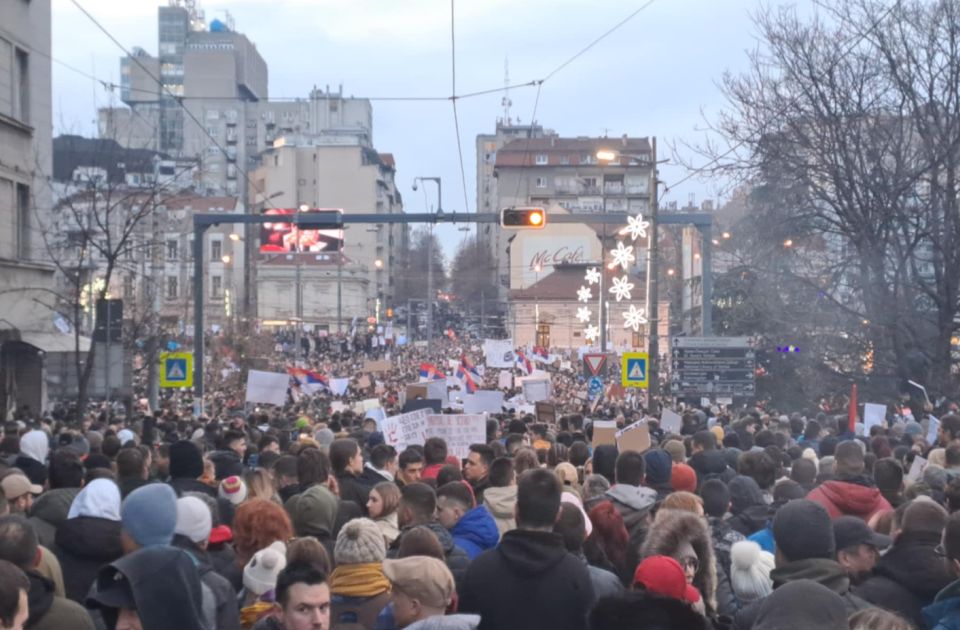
{"points": [[659, 466], [313, 512], [193, 519], [95, 439], [802, 530], [750, 569], [676, 449], [324, 437], [913, 428], [809, 453], [800, 605], [744, 492], [186, 462], [662, 575], [35, 445], [360, 541], [683, 478], [850, 531], [574, 499], [260, 574], [827, 465], [233, 489], [125, 435], [731, 455], [422, 578], [149, 514], [99, 499], [935, 477]]}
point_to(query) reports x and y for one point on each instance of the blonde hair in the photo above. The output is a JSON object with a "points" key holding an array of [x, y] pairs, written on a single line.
{"points": [[683, 500], [260, 486], [878, 619]]}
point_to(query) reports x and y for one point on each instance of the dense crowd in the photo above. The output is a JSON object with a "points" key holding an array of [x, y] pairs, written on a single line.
{"points": [[303, 517]]}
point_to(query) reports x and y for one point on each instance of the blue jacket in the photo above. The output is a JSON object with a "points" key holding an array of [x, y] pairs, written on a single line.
{"points": [[764, 538], [476, 532], [944, 612]]}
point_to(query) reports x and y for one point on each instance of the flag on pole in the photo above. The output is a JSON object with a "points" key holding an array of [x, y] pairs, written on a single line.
{"points": [[468, 365], [431, 372], [466, 377], [852, 411], [524, 363], [308, 381]]}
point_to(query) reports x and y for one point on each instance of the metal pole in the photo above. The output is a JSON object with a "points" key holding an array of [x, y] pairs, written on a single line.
{"points": [[603, 254], [483, 318], [707, 280], [199, 229], [340, 292], [299, 297], [156, 251], [430, 295], [106, 362], [653, 269]]}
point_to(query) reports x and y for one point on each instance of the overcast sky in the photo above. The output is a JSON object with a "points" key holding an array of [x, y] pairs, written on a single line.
{"points": [[655, 76]]}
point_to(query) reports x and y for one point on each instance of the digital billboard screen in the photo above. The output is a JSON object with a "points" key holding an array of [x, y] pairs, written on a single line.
{"points": [[284, 237]]}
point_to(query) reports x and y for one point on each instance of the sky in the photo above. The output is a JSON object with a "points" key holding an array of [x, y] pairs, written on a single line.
{"points": [[657, 75]]}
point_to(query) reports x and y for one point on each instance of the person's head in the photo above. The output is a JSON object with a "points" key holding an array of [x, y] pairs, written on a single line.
{"points": [[131, 464], [849, 459], [571, 527], [345, 457], [14, 586], [420, 541], [477, 466], [759, 466], [453, 501], [313, 467], [269, 444], [802, 530], [235, 441], [304, 598], [257, 524], [804, 472], [513, 443], [750, 569], [812, 430], [501, 473], [234, 490], [858, 546], [630, 468], [384, 457], [802, 604], [308, 550], [66, 469], [18, 542], [418, 505], [434, 451], [949, 429], [359, 542], [384, 499], [194, 521], [920, 517], [643, 609], [524, 460], [149, 517], [703, 441], [683, 500], [186, 461], [538, 500], [411, 466], [888, 474], [422, 587], [19, 492], [261, 572], [666, 577], [314, 512], [594, 486], [658, 467], [716, 498], [285, 471], [605, 461], [878, 619]]}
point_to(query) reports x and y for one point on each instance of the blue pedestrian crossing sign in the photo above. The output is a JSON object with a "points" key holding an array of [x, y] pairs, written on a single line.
{"points": [[176, 369], [634, 368]]}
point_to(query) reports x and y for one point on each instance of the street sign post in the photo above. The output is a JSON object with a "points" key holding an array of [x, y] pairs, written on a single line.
{"points": [[176, 369], [634, 368], [713, 366]]}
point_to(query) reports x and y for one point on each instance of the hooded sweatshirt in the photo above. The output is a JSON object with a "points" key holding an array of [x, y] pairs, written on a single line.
{"points": [[501, 503], [528, 581], [855, 497], [34, 448], [49, 512], [633, 503], [49, 612], [476, 532]]}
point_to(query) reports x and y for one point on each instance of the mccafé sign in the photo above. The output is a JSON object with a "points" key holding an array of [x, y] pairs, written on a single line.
{"points": [[561, 255]]}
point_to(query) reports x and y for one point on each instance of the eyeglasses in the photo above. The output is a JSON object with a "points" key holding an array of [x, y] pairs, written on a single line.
{"points": [[690, 563]]}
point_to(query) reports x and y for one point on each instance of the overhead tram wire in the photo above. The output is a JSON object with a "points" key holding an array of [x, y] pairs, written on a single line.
{"points": [[453, 101]]}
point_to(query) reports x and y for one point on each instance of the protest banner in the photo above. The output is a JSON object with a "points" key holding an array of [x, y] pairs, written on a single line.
{"points": [[505, 380], [483, 401], [604, 432], [873, 415], [267, 387], [459, 431], [635, 437], [536, 390], [370, 366], [405, 429], [338, 386], [670, 421], [498, 353], [371, 403]]}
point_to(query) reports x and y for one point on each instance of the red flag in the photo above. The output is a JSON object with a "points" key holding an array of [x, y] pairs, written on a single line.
{"points": [[852, 413]]}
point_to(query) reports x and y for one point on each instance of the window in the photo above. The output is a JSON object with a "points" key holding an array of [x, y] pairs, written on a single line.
{"points": [[128, 287], [216, 287], [22, 87], [543, 335], [23, 222], [541, 182], [565, 160], [173, 249], [216, 251], [173, 287], [541, 159]]}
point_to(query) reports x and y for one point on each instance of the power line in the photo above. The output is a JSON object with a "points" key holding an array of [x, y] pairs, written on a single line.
{"points": [[453, 101]]}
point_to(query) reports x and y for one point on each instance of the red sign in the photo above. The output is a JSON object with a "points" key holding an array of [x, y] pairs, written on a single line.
{"points": [[594, 364]]}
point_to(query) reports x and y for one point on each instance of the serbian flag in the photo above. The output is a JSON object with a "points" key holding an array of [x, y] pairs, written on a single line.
{"points": [[852, 412], [466, 377], [431, 373], [524, 363], [539, 352], [309, 381], [468, 365]]}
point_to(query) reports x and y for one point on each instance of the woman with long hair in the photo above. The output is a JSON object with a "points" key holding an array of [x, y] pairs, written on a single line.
{"points": [[382, 504]]}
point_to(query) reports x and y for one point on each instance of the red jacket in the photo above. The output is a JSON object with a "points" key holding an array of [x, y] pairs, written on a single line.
{"points": [[842, 498]]}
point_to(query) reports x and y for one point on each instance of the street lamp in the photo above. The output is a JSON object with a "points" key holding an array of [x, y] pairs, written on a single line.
{"points": [[378, 263], [226, 259], [788, 243]]}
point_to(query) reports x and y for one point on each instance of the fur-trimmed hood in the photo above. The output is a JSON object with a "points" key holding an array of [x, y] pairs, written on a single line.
{"points": [[669, 529]]}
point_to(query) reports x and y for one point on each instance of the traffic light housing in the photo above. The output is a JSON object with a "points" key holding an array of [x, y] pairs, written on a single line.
{"points": [[523, 218]]}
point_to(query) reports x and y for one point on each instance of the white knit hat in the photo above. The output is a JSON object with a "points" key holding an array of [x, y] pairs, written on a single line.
{"points": [[809, 453], [260, 574], [233, 489], [194, 519], [750, 569]]}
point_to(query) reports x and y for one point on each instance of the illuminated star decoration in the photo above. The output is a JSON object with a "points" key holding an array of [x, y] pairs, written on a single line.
{"points": [[584, 294], [622, 256], [636, 226], [634, 318], [592, 333], [593, 275], [621, 288], [583, 314]]}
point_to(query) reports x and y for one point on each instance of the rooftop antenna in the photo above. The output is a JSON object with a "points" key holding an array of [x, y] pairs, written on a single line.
{"points": [[505, 101]]}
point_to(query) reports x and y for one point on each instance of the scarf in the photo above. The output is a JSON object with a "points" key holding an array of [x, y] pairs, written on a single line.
{"points": [[359, 580], [250, 615]]}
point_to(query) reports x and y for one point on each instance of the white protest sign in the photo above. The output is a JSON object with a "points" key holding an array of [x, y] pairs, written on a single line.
{"points": [[536, 390], [916, 470], [371, 403], [505, 380], [405, 429], [498, 353], [337, 405], [932, 430], [670, 421], [267, 387], [437, 390], [378, 414], [483, 401], [339, 386], [873, 415], [458, 431]]}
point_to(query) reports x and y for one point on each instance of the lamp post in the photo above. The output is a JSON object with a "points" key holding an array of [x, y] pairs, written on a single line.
{"points": [[430, 295]]}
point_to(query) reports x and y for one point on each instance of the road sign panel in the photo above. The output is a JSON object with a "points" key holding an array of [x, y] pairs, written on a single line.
{"points": [[594, 387], [708, 366], [176, 369], [634, 369], [594, 365]]}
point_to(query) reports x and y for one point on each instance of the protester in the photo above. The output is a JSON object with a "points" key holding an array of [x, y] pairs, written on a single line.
{"points": [[858, 547], [148, 517], [476, 469], [472, 527], [382, 504], [382, 466], [346, 460], [750, 572], [422, 590], [630, 498], [640, 609], [259, 585], [19, 492], [50, 509], [34, 448], [571, 525], [410, 462], [304, 598], [852, 493], [500, 498], [418, 507], [258, 524], [801, 605], [663, 576], [716, 506], [14, 607], [314, 513], [186, 469]]}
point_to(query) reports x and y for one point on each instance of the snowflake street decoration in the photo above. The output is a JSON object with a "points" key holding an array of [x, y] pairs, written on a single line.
{"points": [[636, 227], [584, 294], [634, 318], [583, 314], [621, 288], [622, 256], [593, 275], [592, 333]]}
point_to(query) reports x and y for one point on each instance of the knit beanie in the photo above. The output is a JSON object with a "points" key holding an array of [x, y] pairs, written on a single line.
{"points": [[659, 466], [750, 569], [186, 462], [360, 542], [676, 449], [149, 514], [809, 453], [193, 519], [313, 512], [233, 489], [802, 530], [683, 478], [260, 574]]}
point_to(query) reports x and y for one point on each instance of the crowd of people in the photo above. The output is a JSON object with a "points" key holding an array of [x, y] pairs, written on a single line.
{"points": [[303, 517]]}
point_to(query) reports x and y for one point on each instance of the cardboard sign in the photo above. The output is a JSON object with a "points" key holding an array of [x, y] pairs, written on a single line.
{"points": [[873, 415], [377, 366], [498, 353], [505, 380], [416, 391], [546, 413], [916, 470], [670, 421], [459, 431], [536, 390], [604, 432], [338, 386], [635, 437], [267, 387], [933, 428], [405, 429], [371, 403], [483, 401], [437, 390], [364, 382]]}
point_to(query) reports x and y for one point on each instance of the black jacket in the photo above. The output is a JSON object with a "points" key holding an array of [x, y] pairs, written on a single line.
{"points": [[228, 611], [528, 581], [711, 465], [129, 484], [184, 484], [226, 464], [908, 577], [50, 511], [352, 489], [83, 545], [370, 477]]}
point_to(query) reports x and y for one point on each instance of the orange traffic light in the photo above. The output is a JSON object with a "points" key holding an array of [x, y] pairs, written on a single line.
{"points": [[519, 218]]}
